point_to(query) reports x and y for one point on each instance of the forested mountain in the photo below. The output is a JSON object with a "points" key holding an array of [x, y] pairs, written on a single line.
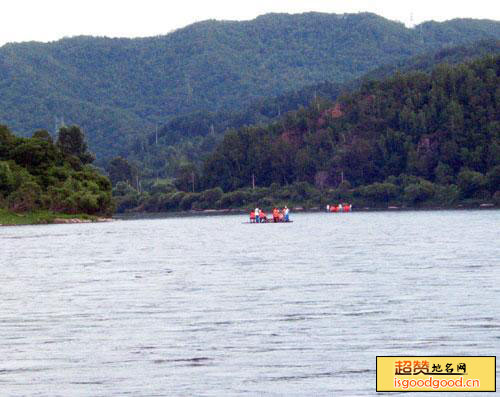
{"points": [[117, 89], [190, 138], [413, 139], [437, 132], [202, 123]]}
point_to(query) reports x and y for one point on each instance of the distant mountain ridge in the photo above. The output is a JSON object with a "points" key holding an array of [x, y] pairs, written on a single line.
{"points": [[117, 89]]}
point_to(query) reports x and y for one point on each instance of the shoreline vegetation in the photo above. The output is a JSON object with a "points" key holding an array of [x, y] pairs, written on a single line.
{"points": [[300, 197], [9, 218], [294, 210], [43, 217], [42, 181]]}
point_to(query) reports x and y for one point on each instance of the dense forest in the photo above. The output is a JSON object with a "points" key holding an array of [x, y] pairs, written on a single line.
{"points": [[39, 174], [119, 89], [185, 141], [405, 124], [412, 139], [266, 109]]}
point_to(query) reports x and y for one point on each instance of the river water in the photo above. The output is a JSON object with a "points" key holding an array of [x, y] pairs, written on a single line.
{"points": [[208, 306]]}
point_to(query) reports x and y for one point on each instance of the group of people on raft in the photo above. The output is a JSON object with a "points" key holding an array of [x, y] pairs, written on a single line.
{"points": [[339, 208], [259, 216]]}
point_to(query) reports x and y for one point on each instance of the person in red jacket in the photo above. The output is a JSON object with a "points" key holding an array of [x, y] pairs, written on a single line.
{"points": [[276, 215], [252, 216]]}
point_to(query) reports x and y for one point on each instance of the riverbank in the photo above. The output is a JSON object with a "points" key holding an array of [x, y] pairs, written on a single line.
{"points": [[9, 218], [379, 196]]}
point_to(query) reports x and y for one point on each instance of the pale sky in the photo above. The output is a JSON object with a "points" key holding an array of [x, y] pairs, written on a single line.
{"points": [[26, 20]]}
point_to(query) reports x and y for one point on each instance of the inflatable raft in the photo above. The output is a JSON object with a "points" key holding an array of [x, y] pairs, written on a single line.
{"points": [[339, 208], [264, 223]]}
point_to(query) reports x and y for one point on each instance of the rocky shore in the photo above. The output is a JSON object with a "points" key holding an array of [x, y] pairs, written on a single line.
{"points": [[78, 220]]}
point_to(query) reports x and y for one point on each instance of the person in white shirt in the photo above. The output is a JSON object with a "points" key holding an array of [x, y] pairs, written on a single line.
{"points": [[257, 215]]}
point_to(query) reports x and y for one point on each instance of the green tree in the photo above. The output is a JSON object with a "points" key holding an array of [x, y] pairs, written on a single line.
{"points": [[470, 183], [210, 197], [187, 178], [71, 141], [120, 170], [6, 142], [493, 179], [420, 192], [35, 155], [26, 197], [444, 174], [380, 192], [43, 135], [6, 178]]}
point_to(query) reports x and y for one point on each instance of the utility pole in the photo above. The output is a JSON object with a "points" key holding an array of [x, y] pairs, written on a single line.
{"points": [[253, 181], [156, 135], [212, 129], [189, 88], [316, 99], [58, 124], [192, 179]]}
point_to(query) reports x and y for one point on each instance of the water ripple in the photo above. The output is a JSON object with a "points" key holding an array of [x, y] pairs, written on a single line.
{"points": [[205, 306]]}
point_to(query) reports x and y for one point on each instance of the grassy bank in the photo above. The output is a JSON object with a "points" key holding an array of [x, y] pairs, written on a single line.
{"points": [[8, 218]]}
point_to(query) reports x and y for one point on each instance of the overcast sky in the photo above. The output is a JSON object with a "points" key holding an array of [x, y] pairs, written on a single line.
{"points": [[25, 20]]}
